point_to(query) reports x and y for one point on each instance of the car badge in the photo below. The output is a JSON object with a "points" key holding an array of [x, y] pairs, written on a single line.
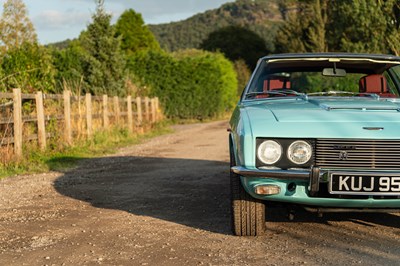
{"points": [[343, 155]]}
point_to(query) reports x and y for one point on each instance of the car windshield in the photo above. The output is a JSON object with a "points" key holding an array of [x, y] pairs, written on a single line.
{"points": [[325, 78]]}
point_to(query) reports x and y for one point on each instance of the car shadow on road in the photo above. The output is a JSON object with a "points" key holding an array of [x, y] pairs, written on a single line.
{"points": [[190, 192]]}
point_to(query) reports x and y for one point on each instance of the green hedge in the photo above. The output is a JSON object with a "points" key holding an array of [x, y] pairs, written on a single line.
{"points": [[190, 84]]}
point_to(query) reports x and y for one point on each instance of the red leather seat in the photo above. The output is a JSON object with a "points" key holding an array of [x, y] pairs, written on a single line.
{"points": [[375, 83], [276, 83]]}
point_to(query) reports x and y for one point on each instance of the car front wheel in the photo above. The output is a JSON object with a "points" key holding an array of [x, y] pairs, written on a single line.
{"points": [[248, 213]]}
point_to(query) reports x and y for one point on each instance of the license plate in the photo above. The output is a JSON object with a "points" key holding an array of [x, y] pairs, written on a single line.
{"points": [[364, 183]]}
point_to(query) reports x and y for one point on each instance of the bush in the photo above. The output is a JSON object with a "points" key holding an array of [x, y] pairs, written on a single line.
{"points": [[29, 67], [243, 75], [69, 65], [190, 84]]}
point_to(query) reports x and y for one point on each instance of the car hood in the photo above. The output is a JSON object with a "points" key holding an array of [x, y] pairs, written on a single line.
{"points": [[326, 117]]}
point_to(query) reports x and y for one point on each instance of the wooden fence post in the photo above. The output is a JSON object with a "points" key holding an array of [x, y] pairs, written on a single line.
{"points": [[153, 110], [117, 113], [40, 121], [67, 117], [158, 114], [89, 124], [139, 114], [17, 98], [146, 108], [106, 121], [130, 115]]}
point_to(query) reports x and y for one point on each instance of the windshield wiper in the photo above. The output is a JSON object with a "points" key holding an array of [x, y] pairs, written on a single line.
{"points": [[275, 92], [332, 92], [373, 95]]}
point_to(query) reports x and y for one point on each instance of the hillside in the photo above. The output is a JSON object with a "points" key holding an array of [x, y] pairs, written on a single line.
{"points": [[260, 16]]}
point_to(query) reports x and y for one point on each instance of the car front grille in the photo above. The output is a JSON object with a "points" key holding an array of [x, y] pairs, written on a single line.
{"points": [[357, 154]]}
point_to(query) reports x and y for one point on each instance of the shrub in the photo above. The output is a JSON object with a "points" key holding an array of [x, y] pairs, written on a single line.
{"points": [[190, 84], [28, 67]]}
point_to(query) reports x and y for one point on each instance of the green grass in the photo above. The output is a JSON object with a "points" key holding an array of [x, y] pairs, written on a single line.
{"points": [[62, 159]]}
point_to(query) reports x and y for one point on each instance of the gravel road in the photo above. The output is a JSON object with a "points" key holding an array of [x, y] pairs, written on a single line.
{"points": [[166, 202]]}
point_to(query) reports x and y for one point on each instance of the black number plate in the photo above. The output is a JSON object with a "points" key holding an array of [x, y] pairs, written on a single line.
{"points": [[364, 183]]}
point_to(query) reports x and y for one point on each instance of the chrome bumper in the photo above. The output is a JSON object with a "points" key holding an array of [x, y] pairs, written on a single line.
{"points": [[313, 175]]}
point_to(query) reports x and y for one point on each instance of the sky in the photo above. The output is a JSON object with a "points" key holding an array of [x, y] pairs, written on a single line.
{"points": [[58, 20]]}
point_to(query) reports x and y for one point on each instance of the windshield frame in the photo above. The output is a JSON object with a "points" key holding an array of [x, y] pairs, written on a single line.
{"points": [[357, 63]]}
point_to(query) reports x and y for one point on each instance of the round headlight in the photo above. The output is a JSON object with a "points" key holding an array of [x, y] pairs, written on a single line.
{"points": [[299, 152], [269, 152]]}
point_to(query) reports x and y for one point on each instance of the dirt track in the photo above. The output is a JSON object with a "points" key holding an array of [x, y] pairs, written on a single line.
{"points": [[166, 202]]}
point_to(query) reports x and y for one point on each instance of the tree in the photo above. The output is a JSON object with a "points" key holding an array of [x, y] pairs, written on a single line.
{"points": [[103, 66], [290, 36], [135, 36], [393, 33], [317, 30], [358, 26], [363, 26], [15, 25], [236, 43], [305, 27]]}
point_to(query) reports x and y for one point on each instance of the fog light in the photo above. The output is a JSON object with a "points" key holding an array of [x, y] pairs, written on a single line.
{"points": [[267, 190]]}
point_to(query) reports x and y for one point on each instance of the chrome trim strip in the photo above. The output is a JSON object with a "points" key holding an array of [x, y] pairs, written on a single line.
{"points": [[324, 209], [273, 173]]}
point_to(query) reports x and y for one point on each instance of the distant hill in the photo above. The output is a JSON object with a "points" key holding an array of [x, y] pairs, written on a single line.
{"points": [[260, 16]]}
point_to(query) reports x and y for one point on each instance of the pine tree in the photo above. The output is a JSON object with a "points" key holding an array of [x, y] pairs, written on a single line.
{"points": [[358, 26], [104, 65], [363, 26], [135, 35], [15, 25], [317, 30], [392, 8]]}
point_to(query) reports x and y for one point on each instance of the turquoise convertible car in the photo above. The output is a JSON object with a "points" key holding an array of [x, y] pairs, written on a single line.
{"points": [[317, 130]]}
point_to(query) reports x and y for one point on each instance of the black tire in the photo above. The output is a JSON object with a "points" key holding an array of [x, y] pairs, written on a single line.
{"points": [[247, 213]]}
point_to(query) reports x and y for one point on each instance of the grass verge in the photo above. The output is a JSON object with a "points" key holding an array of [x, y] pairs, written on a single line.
{"points": [[61, 159]]}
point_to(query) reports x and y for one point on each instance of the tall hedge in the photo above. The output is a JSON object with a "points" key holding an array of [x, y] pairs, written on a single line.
{"points": [[190, 84]]}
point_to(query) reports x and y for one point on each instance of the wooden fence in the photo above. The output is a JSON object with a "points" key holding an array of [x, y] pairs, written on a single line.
{"points": [[69, 117]]}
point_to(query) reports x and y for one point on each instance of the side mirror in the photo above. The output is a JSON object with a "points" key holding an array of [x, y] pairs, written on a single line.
{"points": [[334, 72]]}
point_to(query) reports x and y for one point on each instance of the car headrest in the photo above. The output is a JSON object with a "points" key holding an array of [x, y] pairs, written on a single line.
{"points": [[373, 84]]}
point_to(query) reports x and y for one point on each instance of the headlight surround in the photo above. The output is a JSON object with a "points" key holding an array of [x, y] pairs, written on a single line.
{"points": [[299, 152], [269, 152]]}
